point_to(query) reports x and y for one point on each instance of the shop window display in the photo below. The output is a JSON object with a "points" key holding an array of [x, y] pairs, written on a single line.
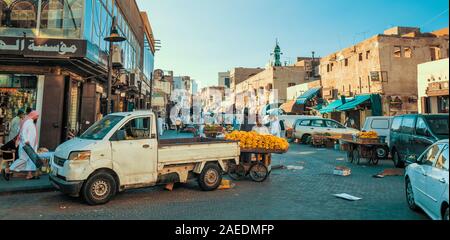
{"points": [[16, 92]]}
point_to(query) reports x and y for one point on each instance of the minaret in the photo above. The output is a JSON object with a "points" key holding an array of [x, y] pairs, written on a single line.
{"points": [[277, 55]]}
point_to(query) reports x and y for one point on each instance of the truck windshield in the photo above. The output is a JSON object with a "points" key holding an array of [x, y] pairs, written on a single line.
{"points": [[438, 124], [99, 130]]}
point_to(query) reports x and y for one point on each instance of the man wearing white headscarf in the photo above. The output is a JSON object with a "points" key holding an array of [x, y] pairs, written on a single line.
{"points": [[27, 136]]}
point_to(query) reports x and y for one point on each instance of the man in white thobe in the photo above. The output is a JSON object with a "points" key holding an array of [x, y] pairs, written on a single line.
{"points": [[160, 125], [27, 135], [275, 127]]}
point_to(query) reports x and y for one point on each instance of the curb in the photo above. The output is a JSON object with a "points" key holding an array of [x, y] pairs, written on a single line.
{"points": [[23, 190]]}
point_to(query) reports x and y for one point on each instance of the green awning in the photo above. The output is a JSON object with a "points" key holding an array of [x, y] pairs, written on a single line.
{"points": [[358, 100], [308, 95], [333, 106]]}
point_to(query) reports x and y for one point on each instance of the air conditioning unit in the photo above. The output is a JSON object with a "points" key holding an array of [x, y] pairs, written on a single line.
{"points": [[117, 57], [123, 79], [135, 77]]}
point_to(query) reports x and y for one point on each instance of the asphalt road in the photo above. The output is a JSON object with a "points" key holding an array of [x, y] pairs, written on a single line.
{"points": [[305, 194]]}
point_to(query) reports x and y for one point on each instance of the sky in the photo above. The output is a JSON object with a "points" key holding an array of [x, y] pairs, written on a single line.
{"points": [[200, 38]]}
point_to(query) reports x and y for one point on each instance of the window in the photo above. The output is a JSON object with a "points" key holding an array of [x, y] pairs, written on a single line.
{"points": [[305, 123], [360, 57], [421, 127], [23, 14], [408, 124], [396, 124], [443, 104], [380, 124], [397, 51], [291, 84], [331, 67], [328, 67], [442, 161], [346, 62], [332, 124], [435, 53], [407, 52], [430, 155], [317, 123], [367, 54], [100, 129], [136, 129]]}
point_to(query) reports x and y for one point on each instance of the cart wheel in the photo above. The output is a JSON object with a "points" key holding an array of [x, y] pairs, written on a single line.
{"points": [[236, 172], [258, 172], [356, 156]]}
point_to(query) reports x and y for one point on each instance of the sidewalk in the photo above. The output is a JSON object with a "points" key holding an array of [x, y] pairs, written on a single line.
{"points": [[20, 185]]}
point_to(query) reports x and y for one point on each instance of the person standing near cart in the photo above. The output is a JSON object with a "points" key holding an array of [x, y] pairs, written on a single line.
{"points": [[13, 133], [27, 136]]}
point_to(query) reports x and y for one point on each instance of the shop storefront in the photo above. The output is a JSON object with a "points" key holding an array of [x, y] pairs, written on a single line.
{"points": [[16, 92]]}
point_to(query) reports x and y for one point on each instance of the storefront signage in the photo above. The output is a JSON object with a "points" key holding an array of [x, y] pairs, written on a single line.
{"points": [[40, 47]]}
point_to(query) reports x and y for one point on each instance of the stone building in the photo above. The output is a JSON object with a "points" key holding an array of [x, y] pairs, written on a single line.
{"points": [[162, 89], [240, 74], [224, 79], [385, 64], [433, 86], [212, 98]]}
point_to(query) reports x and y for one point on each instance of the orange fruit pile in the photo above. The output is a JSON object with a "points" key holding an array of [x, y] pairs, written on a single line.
{"points": [[253, 140]]}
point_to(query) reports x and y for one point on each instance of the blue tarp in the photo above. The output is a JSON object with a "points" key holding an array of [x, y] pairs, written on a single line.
{"points": [[358, 100], [308, 95], [333, 106]]}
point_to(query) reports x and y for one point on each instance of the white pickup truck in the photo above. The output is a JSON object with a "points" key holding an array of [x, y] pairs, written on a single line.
{"points": [[122, 151]]}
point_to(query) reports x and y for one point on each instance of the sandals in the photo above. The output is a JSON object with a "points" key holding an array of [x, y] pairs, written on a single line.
{"points": [[5, 175]]}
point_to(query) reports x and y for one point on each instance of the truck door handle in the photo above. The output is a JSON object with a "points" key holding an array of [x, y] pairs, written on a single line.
{"points": [[442, 180], [146, 146]]}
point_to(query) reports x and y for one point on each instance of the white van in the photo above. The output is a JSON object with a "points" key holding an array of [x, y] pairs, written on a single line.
{"points": [[382, 126]]}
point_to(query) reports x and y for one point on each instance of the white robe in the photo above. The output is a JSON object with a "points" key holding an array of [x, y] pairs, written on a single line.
{"points": [[27, 134], [275, 128], [160, 126]]}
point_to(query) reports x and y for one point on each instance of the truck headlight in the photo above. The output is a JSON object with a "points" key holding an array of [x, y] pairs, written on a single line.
{"points": [[80, 156]]}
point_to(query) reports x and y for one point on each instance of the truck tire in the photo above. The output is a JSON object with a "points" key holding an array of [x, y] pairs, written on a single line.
{"points": [[99, 189], [210, 178], [397, 160]]}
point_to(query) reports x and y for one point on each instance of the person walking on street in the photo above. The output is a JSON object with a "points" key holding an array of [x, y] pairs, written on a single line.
{"points": [[27, 136], [13, 133], [160, 125], [275, 127]]}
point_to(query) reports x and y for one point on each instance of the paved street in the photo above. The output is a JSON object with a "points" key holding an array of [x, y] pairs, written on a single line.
{"points": [[288, 194]]}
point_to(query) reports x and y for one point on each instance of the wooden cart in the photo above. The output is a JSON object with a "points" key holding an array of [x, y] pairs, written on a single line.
{"points": [[255, 163], [362, 148]]}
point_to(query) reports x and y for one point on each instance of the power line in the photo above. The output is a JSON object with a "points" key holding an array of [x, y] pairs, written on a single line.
{"points": [[434, 18]]}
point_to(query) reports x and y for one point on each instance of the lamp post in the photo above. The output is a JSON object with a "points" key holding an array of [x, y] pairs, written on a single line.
{"points": [[113, 37]]}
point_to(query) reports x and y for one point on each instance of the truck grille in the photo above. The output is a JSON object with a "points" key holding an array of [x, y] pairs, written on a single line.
{"points": [[59, 161]]}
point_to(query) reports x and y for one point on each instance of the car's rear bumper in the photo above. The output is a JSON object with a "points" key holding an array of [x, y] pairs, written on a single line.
{"points": [[70, 188]]}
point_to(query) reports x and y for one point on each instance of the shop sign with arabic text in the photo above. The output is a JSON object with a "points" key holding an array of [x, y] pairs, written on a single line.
{"points": [[42, 47]]}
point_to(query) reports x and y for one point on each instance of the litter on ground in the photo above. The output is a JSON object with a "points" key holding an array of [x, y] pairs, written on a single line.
{"points": [[392, 172], [295, 167], [347, 197]]}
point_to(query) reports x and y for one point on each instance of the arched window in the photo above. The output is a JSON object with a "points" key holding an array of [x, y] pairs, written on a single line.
{"points": [[52, 15], [23, 14], [3, 13]]}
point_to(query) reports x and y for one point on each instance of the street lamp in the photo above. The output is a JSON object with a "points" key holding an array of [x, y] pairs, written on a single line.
{"points": [[113, 37]]}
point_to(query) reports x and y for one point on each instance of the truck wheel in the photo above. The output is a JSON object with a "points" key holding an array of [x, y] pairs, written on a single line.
{"points": [[397, 160], [382, 152], [99, 189], [210, 178]]}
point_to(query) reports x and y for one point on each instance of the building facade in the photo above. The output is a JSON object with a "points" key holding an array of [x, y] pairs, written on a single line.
{"points": [[433, 87], [224, 79], [240, 74], [53, 58], [385, 64]]}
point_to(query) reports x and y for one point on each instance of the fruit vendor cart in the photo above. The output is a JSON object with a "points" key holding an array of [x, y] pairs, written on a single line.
{"points": [[211, 131], [367, 148], [255, 163]]}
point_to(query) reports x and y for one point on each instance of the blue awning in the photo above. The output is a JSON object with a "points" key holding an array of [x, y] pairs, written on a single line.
{"points": [[332, 107], [358, 100], [308, 95]]}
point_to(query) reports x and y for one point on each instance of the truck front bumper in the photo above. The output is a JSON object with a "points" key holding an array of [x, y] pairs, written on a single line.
{"points": [[70, 188]]}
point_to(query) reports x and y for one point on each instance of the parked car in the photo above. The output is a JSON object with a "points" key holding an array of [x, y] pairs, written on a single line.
{"points": [[412, 134], [287, 122], [382, 126], [426, 181], [304, 128]]}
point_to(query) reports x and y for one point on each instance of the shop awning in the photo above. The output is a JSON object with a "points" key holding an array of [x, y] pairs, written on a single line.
{"points": [[291, 107], [358, 100], [333, 106], [308, 95]]}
